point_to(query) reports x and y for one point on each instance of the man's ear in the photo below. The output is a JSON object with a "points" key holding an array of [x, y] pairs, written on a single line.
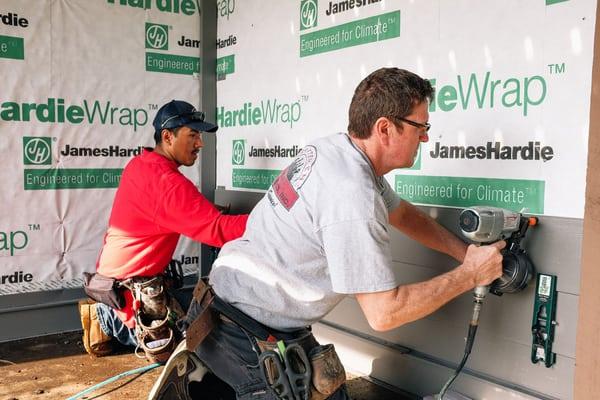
{"points": [[382, 128], [167, 136]]}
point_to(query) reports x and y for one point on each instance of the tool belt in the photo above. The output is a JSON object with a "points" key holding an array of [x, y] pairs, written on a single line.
{"points": [[287, 368], [156, 314], [109, 291]]}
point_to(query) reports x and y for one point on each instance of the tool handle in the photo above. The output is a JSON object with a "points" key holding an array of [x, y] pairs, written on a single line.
{"points": [[298, 370], [274, 372]]}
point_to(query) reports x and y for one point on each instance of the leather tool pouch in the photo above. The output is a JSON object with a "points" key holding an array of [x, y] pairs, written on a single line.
{"points": [[103, 289], [205, 321], [156, 313], [328, 373]]}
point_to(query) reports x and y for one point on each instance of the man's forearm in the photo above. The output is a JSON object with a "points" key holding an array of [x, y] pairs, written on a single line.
{"points": [[392, 308], [421, 227], [409, 303]]}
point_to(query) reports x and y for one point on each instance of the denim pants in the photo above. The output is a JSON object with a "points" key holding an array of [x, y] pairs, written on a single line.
{"points": [[231, 354], [113, 326]]}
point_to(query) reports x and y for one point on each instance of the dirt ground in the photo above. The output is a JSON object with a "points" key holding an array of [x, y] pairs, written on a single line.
{"points": [[57, 367]]}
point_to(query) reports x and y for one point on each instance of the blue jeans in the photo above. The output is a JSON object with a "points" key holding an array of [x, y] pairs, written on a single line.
{"points": [[229, 352], [113, 326]]}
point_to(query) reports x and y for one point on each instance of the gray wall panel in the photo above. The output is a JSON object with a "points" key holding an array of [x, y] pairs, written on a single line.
{"points": [[502, 347], [37, 314], [508, 316], [503, 344], [442, 333], [241, 202], [416, 373]]}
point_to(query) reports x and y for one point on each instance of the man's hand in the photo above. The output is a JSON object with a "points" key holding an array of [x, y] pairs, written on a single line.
{"points": [[484, 263]]}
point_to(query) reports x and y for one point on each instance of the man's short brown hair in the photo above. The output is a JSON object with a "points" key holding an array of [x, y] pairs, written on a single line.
{"points": [[386, 92]]}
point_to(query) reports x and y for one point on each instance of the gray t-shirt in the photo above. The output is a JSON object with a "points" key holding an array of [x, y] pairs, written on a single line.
{"points": [[320, 233]]}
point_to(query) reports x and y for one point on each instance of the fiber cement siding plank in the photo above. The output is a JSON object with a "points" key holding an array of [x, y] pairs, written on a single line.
{"points": [[506, 318], [502, 347], [421, 376]]}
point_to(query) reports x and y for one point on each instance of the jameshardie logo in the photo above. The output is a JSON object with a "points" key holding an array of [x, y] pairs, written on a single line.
{"points": [[37, 150], [157, 36], [158, 59], [238, 153], [308, 14]]}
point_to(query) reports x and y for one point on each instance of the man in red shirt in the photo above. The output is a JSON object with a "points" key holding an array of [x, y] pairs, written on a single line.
{"points": [[153, 206]]}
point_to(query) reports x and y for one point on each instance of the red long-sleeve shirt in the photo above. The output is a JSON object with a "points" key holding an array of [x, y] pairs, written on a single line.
{"points": [[153, 206]]}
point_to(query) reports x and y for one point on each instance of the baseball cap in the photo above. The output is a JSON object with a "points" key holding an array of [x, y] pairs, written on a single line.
{"points": [[178, 113]]}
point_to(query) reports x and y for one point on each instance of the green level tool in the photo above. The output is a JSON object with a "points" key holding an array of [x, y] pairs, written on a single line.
{"points": [[544, 315]]}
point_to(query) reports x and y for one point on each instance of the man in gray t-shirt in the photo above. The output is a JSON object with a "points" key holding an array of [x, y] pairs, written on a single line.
{"points": [[322, 233]]}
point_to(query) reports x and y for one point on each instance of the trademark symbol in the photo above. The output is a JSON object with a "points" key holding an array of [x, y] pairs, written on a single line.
{"points": [[54, 139], [34, 227], [556, 69], [304, 98], [153, 106], [170, 27]]}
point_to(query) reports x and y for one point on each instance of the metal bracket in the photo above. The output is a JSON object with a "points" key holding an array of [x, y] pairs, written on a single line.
{"points": [[544, 315]]}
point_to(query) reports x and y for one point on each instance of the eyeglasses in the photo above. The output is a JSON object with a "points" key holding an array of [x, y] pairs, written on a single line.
{"points": [[425, 126], [192, 116]]}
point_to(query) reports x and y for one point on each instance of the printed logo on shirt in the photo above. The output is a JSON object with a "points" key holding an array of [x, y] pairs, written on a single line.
{"points": [[286, 185], [238, 153]]}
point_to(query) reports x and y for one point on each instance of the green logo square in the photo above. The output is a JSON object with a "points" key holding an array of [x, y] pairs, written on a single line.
{"points": [[308, 14], [238, 153], [37, 150], [157, 36]]}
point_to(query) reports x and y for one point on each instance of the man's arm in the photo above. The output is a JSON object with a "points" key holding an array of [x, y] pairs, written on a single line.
{"points": [[407, 303], [419, 226], [185, 210]]}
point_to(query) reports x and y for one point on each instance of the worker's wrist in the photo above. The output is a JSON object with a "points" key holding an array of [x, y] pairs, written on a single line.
{"points": [[461, 251]]}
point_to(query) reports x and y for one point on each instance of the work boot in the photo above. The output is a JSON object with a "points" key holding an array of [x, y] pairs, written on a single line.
{"points": [[182, 368], [95, 341]]}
